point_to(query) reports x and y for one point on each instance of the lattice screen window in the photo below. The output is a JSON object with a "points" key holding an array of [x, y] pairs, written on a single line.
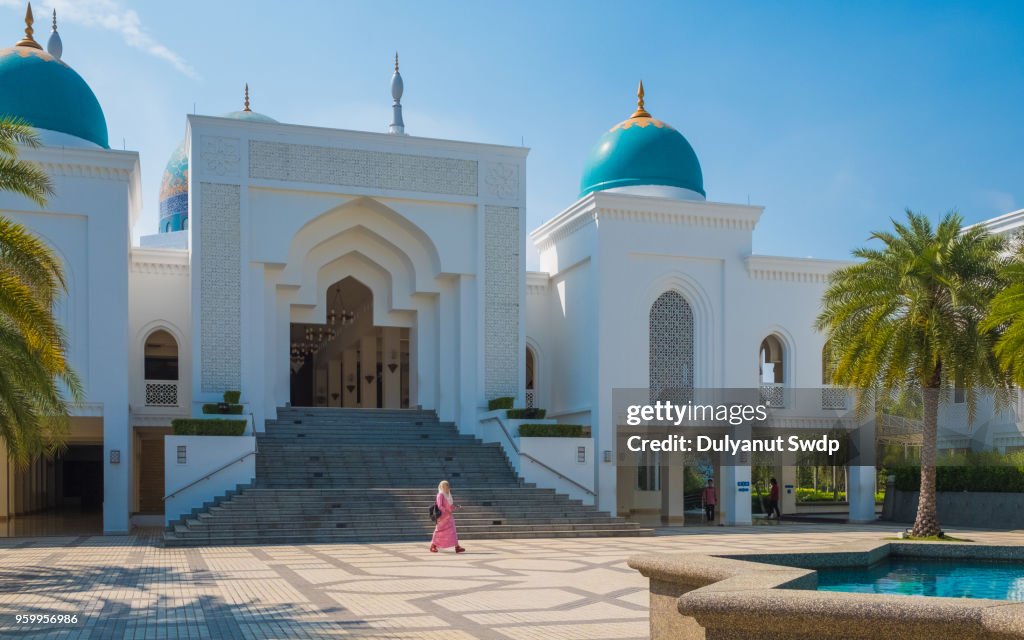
{"points": [[162, 394], [671, 351]]}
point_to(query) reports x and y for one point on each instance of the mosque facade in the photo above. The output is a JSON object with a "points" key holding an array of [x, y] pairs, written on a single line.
{"points": [[316, 267]]}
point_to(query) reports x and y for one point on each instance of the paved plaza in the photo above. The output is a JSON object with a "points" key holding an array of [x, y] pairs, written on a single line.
{"points": [[130, 587]]}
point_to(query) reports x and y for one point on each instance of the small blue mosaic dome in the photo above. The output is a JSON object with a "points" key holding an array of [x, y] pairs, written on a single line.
{"points": [[48, 94], [174, 185], [642, 151]]}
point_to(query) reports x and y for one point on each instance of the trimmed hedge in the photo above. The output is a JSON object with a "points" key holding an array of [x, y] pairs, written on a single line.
{"points": [[997, 479], [232, 397], [233, 409], [526, 414], [207, 427], [500, 403], [551, 430]]}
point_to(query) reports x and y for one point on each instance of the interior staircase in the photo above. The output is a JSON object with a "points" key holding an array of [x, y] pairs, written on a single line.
{"points": [[370, 475]]}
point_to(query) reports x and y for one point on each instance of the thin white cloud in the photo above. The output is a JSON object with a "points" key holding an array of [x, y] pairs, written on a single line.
{"points": [[109, 15]]}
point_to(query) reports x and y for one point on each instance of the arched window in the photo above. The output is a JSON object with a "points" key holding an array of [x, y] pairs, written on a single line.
{"points": [[184, 224], [671, 348], [161, 369], [773, 363], [772, 371]]}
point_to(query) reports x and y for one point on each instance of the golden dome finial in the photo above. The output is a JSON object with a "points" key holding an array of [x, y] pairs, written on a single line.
{"points": [[28, 40], [246, 98], [640, 111], [54, 19], [396, 61]]}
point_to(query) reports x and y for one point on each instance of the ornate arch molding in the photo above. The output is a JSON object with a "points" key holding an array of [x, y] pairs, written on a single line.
{"points": [[391, 307], [371, 248], [383, 221], [705, 331]]}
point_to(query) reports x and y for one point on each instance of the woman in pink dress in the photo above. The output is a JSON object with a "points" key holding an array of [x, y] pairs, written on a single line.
{"points": [[444, 532]]}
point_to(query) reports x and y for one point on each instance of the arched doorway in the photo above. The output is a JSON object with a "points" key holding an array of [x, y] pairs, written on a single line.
{"points": [[348, 361]]}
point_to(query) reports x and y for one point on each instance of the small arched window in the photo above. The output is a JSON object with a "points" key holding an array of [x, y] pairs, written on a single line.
{"points": [[772, 370], [161, 355]]}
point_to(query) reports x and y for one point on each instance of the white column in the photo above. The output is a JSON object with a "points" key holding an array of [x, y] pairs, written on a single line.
{"points": [[391, 358], [786, 475], [348, 378], [734, 491], [672, 493], [5, 484], [368, 369], [861, 493]]}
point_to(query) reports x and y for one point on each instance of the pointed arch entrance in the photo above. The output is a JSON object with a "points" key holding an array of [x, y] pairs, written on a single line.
{"points": [[348, 360]]}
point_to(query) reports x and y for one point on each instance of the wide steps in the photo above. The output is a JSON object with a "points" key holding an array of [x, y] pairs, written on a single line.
{"points": [[337, 475]]}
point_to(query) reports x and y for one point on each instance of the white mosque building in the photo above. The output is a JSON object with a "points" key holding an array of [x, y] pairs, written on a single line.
{"points": [[316, 267]]}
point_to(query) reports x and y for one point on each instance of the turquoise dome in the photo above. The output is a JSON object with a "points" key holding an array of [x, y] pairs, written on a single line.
{"points": [[48, 94], [642, 151], [174, 185]]}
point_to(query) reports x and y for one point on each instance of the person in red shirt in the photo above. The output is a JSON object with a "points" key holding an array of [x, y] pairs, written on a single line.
{"points": [[710, 496], [773, 500]]}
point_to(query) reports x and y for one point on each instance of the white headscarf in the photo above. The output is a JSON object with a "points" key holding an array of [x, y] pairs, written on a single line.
{"points": [[441, 489]]}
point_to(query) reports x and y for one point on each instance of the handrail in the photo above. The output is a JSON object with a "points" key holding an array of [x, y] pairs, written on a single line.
{"points": [[566, 478], [501, 424], [254, 451], [515, 448], [209, 475]]}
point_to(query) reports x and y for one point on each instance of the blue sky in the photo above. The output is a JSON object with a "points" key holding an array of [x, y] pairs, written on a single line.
{"points": [[834, 116]]}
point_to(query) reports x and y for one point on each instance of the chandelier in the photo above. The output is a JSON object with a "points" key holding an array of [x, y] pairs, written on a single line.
{"points": [[315, 337]]}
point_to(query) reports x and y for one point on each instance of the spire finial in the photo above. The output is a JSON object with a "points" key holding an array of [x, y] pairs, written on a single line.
{"points": [[28, 40], [246, 98], [640, 111], [397, 88], [54, 46]]}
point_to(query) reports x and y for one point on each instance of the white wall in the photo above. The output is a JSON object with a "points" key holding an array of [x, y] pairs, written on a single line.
{"points": [[205, 455], [560, 454], [87, 221]]}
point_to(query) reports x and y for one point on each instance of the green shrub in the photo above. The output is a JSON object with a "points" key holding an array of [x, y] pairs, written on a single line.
{"points": [[1007, 477], [207, 427], [232, 397], [551, 430], [500, 403], [526, 414], [232, 409]]}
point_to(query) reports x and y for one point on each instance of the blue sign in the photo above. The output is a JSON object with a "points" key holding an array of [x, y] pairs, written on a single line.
{"points": [[742, 483], [743, 489]]}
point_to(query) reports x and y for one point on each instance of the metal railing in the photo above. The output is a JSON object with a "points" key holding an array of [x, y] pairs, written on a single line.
{"points": [[255, 450], [519, 453]]}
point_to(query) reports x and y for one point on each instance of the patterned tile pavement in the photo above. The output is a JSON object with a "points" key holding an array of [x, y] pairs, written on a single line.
{"points": [[129, 587]]}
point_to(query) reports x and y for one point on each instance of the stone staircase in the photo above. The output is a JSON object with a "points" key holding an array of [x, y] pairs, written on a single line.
{"points": [[370, 475]]}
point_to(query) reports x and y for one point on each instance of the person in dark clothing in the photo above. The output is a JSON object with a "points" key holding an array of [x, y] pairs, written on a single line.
{"points": [[710, 496], [773, 500]]}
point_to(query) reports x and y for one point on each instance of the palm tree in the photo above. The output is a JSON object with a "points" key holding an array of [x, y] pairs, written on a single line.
{"points": [[906, 322], [33, 367], [1006, 315]]}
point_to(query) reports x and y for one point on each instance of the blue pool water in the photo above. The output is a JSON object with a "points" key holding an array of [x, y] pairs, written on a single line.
{"points": [[925, 577]]}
